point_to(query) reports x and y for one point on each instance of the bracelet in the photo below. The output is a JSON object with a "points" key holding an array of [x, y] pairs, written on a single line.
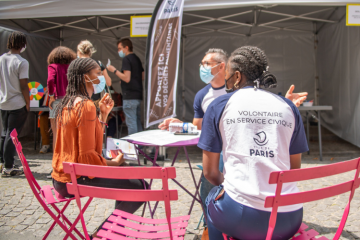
{"points": [[115, 71], [104, 123], [51, 95]]}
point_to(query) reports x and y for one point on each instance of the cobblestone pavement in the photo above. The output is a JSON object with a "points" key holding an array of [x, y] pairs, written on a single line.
{"points": [[22, 217]]}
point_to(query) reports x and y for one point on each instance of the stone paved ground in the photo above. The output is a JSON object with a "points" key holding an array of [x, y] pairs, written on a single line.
{"points": [[22, 217]]}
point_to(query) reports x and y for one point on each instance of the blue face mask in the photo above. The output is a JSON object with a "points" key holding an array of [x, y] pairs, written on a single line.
{"points": [[121, 54], [205, 74], [98, 88]]}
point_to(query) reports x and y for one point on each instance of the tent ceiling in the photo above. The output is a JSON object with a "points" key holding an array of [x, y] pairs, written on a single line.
{"points": [[240, 21], [60, 8]]}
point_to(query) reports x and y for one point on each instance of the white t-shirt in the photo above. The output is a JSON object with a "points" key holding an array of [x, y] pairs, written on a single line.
{"points": [[204, 97], [257, 132], [12, 68]]}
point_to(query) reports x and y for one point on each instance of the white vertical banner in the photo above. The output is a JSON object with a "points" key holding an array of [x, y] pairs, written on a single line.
{"points": [[162, 60]]}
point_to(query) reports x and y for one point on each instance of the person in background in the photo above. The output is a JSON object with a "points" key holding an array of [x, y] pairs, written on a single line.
{"points": [[43, 123], [212, 73], [85, 49], [14, 99], [253, 147], [111, 130], [80, 130], [58, 63], [131, 76]]}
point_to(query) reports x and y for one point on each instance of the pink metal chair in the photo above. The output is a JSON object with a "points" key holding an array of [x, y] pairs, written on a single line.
{"points": [[296, 175], [47, 195], [122, 225]]}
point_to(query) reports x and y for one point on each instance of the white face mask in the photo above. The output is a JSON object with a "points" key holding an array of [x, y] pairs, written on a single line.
{"points": [[99, 87], [23, 49]]}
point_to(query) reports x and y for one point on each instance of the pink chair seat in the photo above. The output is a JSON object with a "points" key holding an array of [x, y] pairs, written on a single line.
{"points": [[301, 234], [51, 196], [123, 225], [134, 226]]}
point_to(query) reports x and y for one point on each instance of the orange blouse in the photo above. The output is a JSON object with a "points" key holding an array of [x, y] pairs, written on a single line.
{"points": [[78, 143]]}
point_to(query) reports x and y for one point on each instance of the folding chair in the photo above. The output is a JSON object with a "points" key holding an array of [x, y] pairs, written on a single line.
{"points": [[121, 225], [47, 195], [296, 175]]}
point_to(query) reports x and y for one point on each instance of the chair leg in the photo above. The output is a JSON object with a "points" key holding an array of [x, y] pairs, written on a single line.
{"points": [[61, 214], [58, 217], [49, 230], [73, 226], [60, 224]]}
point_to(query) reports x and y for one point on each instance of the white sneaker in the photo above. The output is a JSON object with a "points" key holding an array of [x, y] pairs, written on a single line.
{"points": [[11, 172], [45, 148]]}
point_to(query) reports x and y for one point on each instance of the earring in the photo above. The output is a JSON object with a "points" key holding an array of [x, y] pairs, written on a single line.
{"points": [[236, 84]]}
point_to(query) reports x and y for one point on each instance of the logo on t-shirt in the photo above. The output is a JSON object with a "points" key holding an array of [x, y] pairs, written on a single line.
{"points": [[261, 139], [261, 150]]}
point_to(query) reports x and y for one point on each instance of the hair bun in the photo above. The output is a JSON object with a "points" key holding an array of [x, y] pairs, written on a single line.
{"points": [[268, 80], [86, 47]]}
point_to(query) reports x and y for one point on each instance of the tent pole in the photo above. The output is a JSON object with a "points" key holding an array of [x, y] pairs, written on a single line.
{"points": [[183, 74], [316, 66], [61, 36]]}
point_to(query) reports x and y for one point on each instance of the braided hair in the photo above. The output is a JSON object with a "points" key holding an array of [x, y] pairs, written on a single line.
{"points": [[76, 87], [16, 40], [252, 62]]}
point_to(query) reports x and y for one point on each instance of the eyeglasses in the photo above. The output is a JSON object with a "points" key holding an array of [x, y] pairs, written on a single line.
{"points": [[205, 63]]}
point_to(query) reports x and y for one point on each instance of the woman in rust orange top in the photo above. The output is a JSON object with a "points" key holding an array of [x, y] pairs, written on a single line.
{"points": [[80, 132]]}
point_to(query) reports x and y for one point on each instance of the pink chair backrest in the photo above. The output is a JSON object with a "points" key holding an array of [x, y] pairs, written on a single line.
{"points": [[28, 174], [282, 177], [166, 195]]}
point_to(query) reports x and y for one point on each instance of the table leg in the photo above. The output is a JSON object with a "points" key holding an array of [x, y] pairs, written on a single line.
{"points": [[177, 152], [197, 194], [156, 155], [187, 157], [35, 131], [117, 122], [196, 185], [319, 132], [307, 131]]}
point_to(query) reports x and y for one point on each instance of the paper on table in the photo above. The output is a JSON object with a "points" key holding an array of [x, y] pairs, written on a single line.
{"points": [[132, 157], [126, 147], [159, 137]]}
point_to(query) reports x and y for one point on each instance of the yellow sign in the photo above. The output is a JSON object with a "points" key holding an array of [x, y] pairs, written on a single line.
{"points": [[139, 25], [353, 15]]}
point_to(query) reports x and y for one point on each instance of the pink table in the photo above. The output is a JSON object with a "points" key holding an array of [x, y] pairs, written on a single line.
{"points": [[179, 145]]}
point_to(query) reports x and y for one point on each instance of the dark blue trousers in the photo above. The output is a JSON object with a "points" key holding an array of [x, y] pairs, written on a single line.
{"points": [[242, 222]]}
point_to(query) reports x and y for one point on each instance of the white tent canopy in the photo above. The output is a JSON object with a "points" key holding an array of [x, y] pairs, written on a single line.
{"points": [[68, 19], [61, 8], [290, 34]]}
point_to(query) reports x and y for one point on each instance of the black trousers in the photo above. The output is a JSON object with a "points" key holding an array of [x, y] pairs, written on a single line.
{"points": [[11, 119], [129, 207]]}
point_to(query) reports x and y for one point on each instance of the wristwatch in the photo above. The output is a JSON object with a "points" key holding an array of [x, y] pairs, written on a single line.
{"points": [[115, 71]]}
